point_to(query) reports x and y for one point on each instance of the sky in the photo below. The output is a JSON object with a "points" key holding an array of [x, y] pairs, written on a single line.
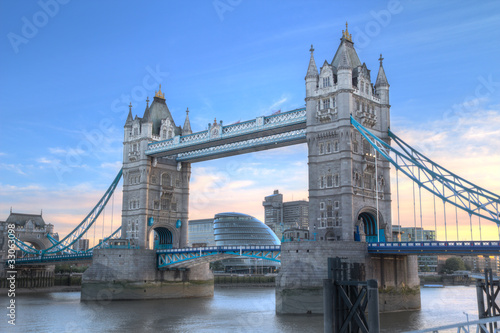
{"points": [[69, 69]]}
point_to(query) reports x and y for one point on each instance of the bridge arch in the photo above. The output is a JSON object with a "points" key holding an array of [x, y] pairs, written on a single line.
{"points": [[37, 243], [367, 224], [162, 237]]}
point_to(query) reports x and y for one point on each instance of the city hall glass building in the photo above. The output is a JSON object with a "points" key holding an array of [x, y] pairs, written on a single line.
{"points": [[241, 229]]}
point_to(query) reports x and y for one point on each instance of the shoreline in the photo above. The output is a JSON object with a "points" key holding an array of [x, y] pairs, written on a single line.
{"points": [[54, 289]]}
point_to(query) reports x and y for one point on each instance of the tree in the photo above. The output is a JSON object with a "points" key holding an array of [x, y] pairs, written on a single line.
{"points": [[217, 266], [454, 264]]}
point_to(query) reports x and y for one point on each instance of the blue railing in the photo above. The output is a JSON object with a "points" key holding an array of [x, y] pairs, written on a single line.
{"points": [[437, 247], [54, 258]]}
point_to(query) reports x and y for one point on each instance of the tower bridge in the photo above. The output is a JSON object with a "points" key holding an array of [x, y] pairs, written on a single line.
{"points": [[346, 126]]}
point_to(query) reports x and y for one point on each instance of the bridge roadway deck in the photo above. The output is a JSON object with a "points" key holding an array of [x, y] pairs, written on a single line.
{"points": [[50, 260], [188, 257], [287, 128], [436, 247]]}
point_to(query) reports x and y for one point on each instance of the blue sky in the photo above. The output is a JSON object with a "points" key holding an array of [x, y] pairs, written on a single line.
{"points": [[70, 68]]}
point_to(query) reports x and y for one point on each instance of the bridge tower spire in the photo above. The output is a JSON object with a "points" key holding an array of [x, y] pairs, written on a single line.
{"points": [[345, 176]]}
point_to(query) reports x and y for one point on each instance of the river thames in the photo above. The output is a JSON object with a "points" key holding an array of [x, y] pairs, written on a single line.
{"points": [[233, 309]]}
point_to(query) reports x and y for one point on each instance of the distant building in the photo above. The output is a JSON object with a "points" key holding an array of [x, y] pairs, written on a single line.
{"points": [[426, 263], [412, 234], [280, 216], [240, 229], [30, 229], [295, 234], [81, 245], [479, 263], [201, 233], [234, 229]]}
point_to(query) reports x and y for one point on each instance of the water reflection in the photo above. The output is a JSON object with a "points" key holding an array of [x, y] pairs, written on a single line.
{"points": [[230, 310]]}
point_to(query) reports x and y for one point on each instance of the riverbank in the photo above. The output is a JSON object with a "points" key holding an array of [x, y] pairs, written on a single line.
{"points": [[447, 280], [41, 290]]}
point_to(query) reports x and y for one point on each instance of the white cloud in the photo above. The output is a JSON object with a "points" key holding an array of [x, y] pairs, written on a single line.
{"points": [[17, 168], [112, 165], [468, 145], [64, 206], [67, 151], [45, 160]]}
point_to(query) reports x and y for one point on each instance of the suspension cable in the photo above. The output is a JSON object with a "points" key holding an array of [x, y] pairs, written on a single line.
{"points": [[456, 217], [420, 204], [94, 234], [470, 220], [397, 189], [103, 214], [480, 231], [435, 218], [414, 211], [444, 212], [112, 209], [445, 229]]}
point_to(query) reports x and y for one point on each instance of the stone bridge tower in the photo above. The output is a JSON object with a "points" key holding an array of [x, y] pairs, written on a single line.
{"points": [[155, 190], [344, 180]]}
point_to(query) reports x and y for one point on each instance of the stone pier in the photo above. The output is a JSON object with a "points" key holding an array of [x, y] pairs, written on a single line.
{"points": [[299, 285], [130, 274]]}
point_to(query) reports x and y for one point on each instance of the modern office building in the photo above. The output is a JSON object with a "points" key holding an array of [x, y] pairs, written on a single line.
{"points": [[241, 229], [201, 233], [81, 244], [280, 216], [234, 229], [426, 263]]}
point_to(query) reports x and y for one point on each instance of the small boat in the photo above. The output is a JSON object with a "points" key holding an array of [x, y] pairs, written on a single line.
{"points": [[433, 286]]}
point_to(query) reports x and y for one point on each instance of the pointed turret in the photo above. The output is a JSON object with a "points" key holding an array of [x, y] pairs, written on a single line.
{"points": [[186, 129], [382, 85], [312, 75], [312, 70], [157, 111], [345, 62], [129, 117], [381, 78]]}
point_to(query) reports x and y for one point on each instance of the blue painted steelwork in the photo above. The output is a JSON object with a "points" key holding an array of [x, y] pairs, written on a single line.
{"points": [[439, 181], [248, 134], [80, 230], [296, 135], [66, 255], [54, 258], [176, 258], [435, 247]]}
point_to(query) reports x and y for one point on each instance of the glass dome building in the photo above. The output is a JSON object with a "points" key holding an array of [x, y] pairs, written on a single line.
{"points": [[241, 229], [237, 229]]}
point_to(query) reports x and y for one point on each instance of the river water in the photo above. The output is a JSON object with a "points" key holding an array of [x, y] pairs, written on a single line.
{"points": [[230, 310]]}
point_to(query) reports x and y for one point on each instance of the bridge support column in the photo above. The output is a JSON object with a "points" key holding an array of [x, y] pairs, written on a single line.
{"points": [[398, 280], [128, 274], [299, 285]]}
